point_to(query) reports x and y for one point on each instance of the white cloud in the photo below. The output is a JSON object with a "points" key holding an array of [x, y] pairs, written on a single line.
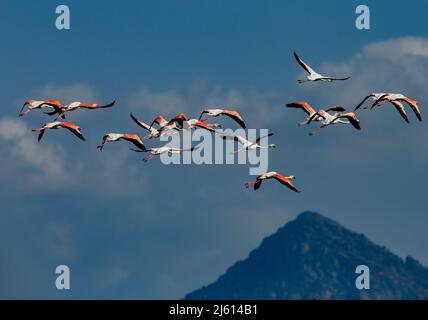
{"points": [[60, 165], [397, 65], [42, 167], [19, 151], [167, 103], [258, 108], [394, 49]]}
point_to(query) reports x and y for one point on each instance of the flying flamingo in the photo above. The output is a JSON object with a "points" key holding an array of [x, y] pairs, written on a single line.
{"points": [[314, 76], [136, 140], [133, 138], [56, 125], [160, 121], [167, 127], [373, 96], [185, 124], [310, 111], [62, 110], [153, 132], [328, 120], [158, 151], [249, 145], [176, 124], [221, 112], [398, 97], [272, 175], [38, 104]]}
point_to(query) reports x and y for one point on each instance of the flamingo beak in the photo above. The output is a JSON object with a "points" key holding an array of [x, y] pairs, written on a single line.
{"points": [[101, 146]]}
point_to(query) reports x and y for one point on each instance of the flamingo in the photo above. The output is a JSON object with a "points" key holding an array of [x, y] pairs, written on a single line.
{"points": [[158, 151], [176, 124], [374, 96], [61, 111], [328, 120], [160, 121], [153, 133], [38, 104], [221, 112], [185, 124], [396, 99], [166, 128], [310, 111], [314, 76], [272, 175], [249, 145], [56, 125], [133, 138]]}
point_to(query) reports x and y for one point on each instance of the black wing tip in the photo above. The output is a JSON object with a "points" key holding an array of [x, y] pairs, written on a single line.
{"points": [[109, 105]]}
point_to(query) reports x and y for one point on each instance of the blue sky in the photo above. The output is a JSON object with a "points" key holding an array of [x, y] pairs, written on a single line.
{"points": [[122, 228]]}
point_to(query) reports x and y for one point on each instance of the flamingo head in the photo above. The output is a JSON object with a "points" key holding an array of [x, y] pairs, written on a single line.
{"points": [[107, 139]]}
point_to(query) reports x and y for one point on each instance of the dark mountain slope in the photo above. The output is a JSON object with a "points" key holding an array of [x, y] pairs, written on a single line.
{"points": [[314, 257]]}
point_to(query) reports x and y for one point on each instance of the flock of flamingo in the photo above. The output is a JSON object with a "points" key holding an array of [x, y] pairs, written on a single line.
{"points": [[330, 116]]}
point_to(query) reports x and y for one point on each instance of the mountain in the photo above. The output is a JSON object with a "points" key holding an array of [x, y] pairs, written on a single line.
{"points": [[314, 257]]}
